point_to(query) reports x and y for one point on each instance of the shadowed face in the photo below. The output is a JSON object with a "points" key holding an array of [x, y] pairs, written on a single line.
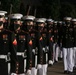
{"points": [[17, 25], [67, 21], [30, 25], [50, 23], [40, 26], [1, 22], [74, 23]]}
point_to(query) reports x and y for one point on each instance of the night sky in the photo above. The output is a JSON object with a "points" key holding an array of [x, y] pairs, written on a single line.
{"points": [[68, 0], [38, 1]]}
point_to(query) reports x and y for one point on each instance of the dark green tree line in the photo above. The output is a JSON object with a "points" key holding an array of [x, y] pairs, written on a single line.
{"points": [[6, 4], [56, 9]]}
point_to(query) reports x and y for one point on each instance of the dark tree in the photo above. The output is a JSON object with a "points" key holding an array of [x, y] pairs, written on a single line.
{"points": [[68, 9], [6, 4], [56, 9]]}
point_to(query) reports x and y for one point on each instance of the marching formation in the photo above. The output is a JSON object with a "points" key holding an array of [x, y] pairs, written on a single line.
{"points": [[28, 45]]}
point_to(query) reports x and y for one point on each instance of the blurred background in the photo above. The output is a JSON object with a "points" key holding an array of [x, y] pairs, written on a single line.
{"points": [[56, 9]]}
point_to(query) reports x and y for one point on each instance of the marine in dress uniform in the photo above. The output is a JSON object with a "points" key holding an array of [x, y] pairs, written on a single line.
{"points": [[74, 51], [39, 38], [55, 46], [50, 41], [67, 44], [21, 37], [34, 50], [45, 49], [28, 26], [45, 34], [59, 25], [8, 45]]}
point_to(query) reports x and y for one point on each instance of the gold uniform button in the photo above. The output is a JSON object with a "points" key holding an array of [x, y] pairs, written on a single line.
{"points": [[21, 41], [17, 72], [17, 68], [4, 42], [30, 65], [41, 57]]}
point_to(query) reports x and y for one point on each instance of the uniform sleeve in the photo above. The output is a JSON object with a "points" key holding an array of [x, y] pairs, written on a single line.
{"points": [[13, 47], [29, 51], [13, 50], [29, 45]]}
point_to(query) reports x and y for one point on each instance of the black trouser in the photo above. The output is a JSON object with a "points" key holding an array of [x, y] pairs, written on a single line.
{"points": [[50, 52], [3, 67], [21, 64]]}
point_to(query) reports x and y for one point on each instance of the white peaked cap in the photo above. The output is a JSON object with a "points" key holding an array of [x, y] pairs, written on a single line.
{"points": [[74, 19], [55, 21], [28, 17], [40, 20], [16, 16], [43, 19], [59, 21], [67, 18], [3, 13], [50, 20]]}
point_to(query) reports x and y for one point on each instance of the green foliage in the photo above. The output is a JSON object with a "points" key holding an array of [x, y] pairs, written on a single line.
{"points": [[52, 8], [57, 9], [16, 5], [68, 9], [6, 5]]}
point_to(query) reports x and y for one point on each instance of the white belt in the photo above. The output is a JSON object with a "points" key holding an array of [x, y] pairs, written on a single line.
{"points": [[20, 53], [16, 74], [33, 50], [43, 49], [3, 56]]}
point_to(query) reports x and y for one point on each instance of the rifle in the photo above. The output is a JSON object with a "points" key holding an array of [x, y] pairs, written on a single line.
{"points": [[10, 14], [28, 10], [35, 12], [0, 4]]}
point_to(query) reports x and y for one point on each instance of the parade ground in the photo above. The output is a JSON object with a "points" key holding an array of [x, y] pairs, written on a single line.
{"points": [[57, 69]]}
